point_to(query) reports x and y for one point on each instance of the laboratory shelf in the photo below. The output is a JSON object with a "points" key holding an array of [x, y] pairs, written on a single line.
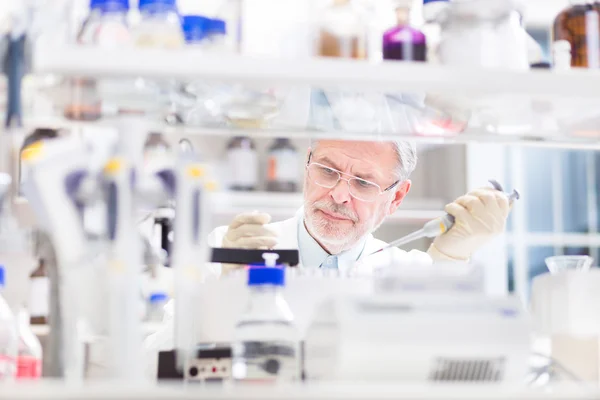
{"points": [[349, 99], [352, 391], [315, 72]]}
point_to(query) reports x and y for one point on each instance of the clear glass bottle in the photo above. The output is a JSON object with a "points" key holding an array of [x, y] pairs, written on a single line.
{"points": [[342, 32], [283, 167], [155, 311], [579, 25], [9, 337], [160, 25], [29, 359], [404, 42], [242, 160], [106, 26], [266, 341]]}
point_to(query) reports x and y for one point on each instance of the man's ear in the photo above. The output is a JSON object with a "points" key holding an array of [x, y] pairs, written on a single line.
{"points": [[399, 193]]}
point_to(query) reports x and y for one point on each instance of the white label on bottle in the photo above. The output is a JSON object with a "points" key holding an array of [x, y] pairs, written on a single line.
{"points": [[285, 165], [39, 297], [592, 33], [243, 164]]}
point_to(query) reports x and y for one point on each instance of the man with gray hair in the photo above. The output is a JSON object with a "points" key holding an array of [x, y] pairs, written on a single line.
{"points": [[350, 187]]}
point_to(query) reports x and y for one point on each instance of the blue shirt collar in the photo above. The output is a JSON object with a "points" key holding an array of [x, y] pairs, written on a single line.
{"points": [[312, 255]]}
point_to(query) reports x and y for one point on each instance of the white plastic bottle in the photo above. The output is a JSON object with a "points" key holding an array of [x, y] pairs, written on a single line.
{"points": [[9, 338], [29, 358], [265, 347]]}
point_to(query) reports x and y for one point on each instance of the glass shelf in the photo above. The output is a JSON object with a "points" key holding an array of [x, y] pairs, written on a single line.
{"points": [[191, 92]]}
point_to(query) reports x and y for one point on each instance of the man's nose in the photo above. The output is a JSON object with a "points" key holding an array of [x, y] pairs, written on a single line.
{"points": [[341, 192]]}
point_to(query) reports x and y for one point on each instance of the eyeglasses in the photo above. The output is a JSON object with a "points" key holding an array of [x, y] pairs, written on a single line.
{"points": [[360, 189]]}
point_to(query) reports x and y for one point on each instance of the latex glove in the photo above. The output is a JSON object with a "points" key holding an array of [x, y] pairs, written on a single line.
{"points": [[479, 216], [248, 231]]}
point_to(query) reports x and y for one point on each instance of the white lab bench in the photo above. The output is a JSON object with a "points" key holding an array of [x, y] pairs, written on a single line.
{"points": [[48, 390]]}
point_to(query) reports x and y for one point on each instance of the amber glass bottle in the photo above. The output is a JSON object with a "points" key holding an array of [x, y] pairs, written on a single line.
{"points": [[579, 25]]}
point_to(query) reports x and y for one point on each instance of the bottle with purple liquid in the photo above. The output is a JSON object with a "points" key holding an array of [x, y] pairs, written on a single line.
{"points": [[404, 42]]}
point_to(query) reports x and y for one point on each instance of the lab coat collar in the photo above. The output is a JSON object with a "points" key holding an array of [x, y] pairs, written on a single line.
{"points": [[312, 255]]}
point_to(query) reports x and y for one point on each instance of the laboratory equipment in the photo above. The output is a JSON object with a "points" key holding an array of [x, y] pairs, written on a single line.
{"points": [[106, 26], [404, 42], [439, 225], [156, 303], [217, 34], [579, 25], [160, 25], [418, 335], [29, 358], [342, 31], [483, 33], [266, 341], [557, 264], [565, 308], [433, 15], [242, 161], [283, 167], [191, 193], [9, 338], [39, 294]]}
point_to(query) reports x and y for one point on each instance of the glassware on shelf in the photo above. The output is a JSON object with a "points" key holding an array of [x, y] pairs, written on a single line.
{"points": [[342, 31], [404, 42], [283, 172], [579, 25], [160, 25], [242, 162], [106, 26], [558, 264]]}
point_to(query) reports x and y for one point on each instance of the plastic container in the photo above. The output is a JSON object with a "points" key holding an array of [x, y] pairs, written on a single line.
{"points": [[265, 347], [283, 173], [9, 338], [404, 42], [29, 359], [160, 25], [242, 160]]}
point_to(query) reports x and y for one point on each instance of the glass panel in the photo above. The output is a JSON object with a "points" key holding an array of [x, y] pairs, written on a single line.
{"points": [[537, 193], [574, 191]]}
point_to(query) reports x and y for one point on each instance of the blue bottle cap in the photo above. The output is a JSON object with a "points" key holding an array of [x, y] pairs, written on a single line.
{"points": [[110, 5], [434, 1], [158, 297], [217, 27], [157, 5], [2, 276], [266, 276], [195, 27]]}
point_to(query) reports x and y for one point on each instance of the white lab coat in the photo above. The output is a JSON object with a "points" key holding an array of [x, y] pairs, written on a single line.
{"points": [[287, 231]]}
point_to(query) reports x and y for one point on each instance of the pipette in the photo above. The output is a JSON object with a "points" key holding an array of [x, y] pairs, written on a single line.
{"points": [[440, 225]]}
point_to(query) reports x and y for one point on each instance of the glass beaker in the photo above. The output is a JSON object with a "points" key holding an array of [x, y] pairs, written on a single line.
{"points": [[558, 264]]}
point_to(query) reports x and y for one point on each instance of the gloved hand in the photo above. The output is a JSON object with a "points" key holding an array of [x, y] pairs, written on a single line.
{"points": [[248, 231], [479, 216]]}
